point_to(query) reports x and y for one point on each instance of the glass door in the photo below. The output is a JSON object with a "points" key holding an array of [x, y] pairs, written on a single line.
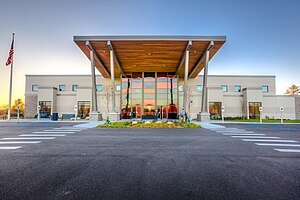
{"points": [[137, 94], [162, 95], [149, 93], [215, 110], [254, 110]]}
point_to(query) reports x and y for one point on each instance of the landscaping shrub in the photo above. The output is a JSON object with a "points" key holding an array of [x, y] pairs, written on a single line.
{"points": [[148, 125]]}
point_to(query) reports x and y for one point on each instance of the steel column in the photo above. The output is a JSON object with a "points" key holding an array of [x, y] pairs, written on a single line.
{"points": [[94, 92], [112, 72], [186, 71], [204, 90]]}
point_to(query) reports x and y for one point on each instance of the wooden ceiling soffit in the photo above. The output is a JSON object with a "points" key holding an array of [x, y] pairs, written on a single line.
{"points": [[99, 61]]}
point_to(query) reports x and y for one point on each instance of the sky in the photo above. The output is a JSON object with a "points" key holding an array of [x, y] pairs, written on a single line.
{"points": [[262, 36]]}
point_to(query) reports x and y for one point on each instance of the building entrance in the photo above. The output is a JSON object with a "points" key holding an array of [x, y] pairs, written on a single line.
{"points": [[149, 94], [254, 110]]}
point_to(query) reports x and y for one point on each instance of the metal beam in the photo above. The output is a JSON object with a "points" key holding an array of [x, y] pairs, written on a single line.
{"points": [[187, 48], [89, 45], [211, 44], [110, 46]]}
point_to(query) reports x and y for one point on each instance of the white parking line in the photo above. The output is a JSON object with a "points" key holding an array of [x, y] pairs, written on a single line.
{"points": [[41, 135], [30, 138], [283, 145], [234, 131], [73, 128], [7, 148], [262, 140], [65, 130], [53, 132], [243, 134], [288, 150], [258, 137], [21, 142]]}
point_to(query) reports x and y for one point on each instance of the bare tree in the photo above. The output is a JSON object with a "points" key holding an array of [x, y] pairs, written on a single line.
{"points": [[107, 97], [293, 90]]}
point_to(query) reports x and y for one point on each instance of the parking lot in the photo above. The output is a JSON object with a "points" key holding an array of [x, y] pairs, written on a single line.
{"points": [[61, 161]]}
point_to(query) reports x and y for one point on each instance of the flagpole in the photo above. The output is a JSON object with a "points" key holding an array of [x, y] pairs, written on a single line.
{"points": [[10, 84]]}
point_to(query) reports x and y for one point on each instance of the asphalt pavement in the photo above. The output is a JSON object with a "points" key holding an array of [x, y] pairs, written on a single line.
{"points": [[237, 161]]}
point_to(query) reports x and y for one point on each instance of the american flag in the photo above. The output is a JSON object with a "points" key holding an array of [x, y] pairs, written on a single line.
{"points": [[11, 52]]}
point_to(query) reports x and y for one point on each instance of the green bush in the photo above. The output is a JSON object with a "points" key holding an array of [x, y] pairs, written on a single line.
{"points": [[148, 125]]}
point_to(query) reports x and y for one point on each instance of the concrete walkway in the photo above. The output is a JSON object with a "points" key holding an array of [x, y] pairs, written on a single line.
{"points": [[208, 125], [89, 124]]}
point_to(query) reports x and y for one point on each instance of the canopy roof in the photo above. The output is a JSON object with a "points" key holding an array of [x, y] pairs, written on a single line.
{"points": [[149, 53]]}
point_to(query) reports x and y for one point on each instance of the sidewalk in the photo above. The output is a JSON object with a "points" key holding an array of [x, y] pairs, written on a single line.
{"points": [[208, 125]]}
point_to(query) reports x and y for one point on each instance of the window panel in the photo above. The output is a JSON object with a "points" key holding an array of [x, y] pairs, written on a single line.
{"points": [[237, 88], [224, 88], [99, 88], [265, 88], [200, 88], [74, 88], [35, 88], [62, 88]]}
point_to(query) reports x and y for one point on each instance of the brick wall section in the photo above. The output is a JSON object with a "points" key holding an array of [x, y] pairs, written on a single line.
{"points": [[297, 107], [30, 105]]}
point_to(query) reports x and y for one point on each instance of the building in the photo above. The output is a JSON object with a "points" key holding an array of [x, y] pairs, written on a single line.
{"points": [[150, 76], [240, 95]]}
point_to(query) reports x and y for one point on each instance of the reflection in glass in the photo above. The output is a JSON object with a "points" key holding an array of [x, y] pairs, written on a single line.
{"points": [[83, 109], [215, 110], [254, 110]]}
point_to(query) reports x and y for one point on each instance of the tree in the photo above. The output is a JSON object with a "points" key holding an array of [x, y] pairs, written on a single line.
{"points": [[3, 110], [293, 90], [14, 107], [107, 89]]}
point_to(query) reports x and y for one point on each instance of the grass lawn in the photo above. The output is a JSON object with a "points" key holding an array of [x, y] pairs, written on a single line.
{"points": [[264, 120], [148, 125]]}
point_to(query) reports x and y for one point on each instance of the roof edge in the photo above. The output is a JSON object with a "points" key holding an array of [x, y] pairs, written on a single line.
{"points": [[148, 38]]}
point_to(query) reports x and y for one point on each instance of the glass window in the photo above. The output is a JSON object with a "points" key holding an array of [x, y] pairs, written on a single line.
{"points": [[62, 88], [98, 88], [83, 109], [237, 88], [265, 88], [35, 88], [180, 88], [199, 88], [118, 87], [224, 88], [45, 109], [74, 88]]}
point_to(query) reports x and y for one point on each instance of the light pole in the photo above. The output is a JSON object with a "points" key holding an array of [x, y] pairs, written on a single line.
{"points": [[18, 112], [75, 110], [260, 115], [223, 110], [38, 111], [281, 115]]}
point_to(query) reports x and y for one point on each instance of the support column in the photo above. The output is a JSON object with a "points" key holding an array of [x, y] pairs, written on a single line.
{"points": [[113, 116], [204, 114], [186, 73], [94, 114], [112, 72], [94, 92]]}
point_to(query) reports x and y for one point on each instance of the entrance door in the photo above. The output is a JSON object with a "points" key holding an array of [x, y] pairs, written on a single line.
{"points": [[215, 110], [254, 110], [83, 109]]}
